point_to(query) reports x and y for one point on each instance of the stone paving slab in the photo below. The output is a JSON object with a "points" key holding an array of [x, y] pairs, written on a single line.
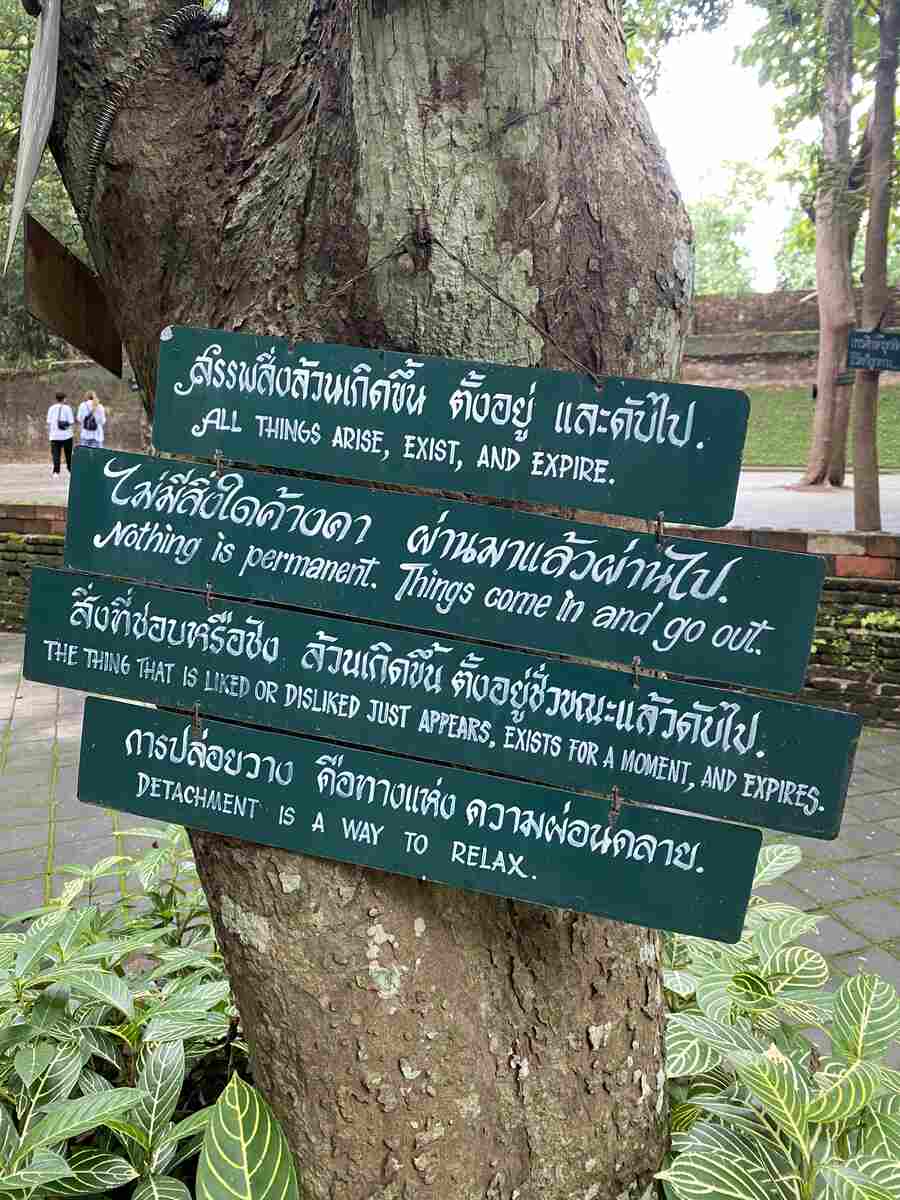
{"points": [[853, 883]]}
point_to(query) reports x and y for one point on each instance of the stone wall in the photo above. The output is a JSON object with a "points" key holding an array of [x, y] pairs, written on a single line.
{"points": [[26, 395], [769, 312], [855, 663]]}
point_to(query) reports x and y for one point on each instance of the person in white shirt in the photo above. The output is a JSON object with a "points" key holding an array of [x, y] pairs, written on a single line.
{"points": [[92, 420], [60, 428]]}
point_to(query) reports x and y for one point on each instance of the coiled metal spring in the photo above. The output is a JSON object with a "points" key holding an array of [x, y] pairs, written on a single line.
{"points": [[154, 43]]}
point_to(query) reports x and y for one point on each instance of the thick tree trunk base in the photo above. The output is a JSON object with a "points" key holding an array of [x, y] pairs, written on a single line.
{"points": [[421, 1041]]}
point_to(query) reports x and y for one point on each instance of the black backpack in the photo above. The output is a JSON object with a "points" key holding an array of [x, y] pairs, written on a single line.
{"points": [[89, 423]]}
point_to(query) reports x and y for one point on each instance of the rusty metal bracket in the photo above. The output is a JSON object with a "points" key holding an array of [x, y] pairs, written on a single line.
{"points": [[208, 595], [614, 809], [635, 677], [196, 726], [660, 530]]}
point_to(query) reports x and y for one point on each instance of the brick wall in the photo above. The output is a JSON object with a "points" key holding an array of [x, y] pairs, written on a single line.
{"points": [[19, 552], [770, 312]]}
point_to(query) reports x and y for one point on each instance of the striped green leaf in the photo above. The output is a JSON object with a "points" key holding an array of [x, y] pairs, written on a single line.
{"points": [[41, 935], [883, 1171], [713, 997], [797, 967], [782, 1090], [682, 1117], [32, 1060], [843, 1092], [90, 1083], [245, 1154], [771, 936], [719, 1173], [733, 1042], [67, 1118], [189, 994], [9, 948], [711, 1135], [775, 861], [687, 1054], [881, 1129], [159, 1082], [194, 1124], [50, 1009], [9, 1138], [866, 1018], [160, 1187], [807, 1007], [751, 992], [92, 1172], [846, 1182], [682, 983], [75, 927], [16, 1035], [741, 1117], [57, 1080], [182, 1027], [103, 986], [46, 1167]]}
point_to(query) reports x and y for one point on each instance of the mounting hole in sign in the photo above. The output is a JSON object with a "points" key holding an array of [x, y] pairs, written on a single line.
{"points": [[700, 445]]}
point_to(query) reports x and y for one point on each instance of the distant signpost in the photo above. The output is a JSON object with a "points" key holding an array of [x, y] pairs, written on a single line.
{"points": [[629, 757], [519, 433], [873, 350]]}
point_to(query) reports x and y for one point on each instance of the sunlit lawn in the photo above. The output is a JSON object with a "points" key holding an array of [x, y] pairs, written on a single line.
{"points": [[781, 422]]}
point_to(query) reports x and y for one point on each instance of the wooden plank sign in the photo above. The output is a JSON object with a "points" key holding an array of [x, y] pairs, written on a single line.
{"points": [[737, 757], [433, 823], [702, 609], [873, 350], [518, 433]]}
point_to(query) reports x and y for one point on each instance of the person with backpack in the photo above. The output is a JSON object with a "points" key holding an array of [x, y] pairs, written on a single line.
{"points": [[60, 428], [92, 419]]}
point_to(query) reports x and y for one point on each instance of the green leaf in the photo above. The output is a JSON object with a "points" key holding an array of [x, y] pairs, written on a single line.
{"points": [[843, 1093], [187, 1025], [46, 1168], [16, 1035], [847, 1183], [731, 1041], [713, 997], [50, 1008], [41, 935], [773, 935], [797, 967], [751, 992], [195, 1123], [9, 1138], [881, 1129], [885, 1172], [103, 986], [776, 1083], [245, 1153], [107, 866], [160, 1187], [775, 861], [718, 1173], [57, 1080], [682, 983], [92, 1172], [160, 1082], [101, 1044], [687, 1054], [9, 948], [866, 1018], [67, 1118], [90, 1083], [149, 867], [76, 925], [32, 1061], [187, 994]]}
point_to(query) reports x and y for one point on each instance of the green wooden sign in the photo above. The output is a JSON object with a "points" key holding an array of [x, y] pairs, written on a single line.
{"points": [[520, 433], [433, 823], [873, 350], [698, 608], [738, 757]]}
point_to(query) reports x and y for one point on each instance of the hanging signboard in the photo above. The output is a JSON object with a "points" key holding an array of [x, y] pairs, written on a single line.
{"points": [[741, 758], [873, 350], [433, 823], [635, 448], [704, 609]]}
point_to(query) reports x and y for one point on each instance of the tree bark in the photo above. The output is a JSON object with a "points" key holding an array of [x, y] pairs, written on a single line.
{"points": [[876, 296], [415, 1040], [835, 293]]}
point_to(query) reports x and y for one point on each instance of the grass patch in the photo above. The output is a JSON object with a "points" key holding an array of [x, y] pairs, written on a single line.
{"points": [[781, 424]]}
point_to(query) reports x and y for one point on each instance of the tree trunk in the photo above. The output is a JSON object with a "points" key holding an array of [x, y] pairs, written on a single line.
{"points": [[415, 1040], [876, 296], [835, 293]]}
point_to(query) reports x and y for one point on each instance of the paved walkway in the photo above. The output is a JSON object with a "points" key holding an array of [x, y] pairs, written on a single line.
{"points": [[853, 882], [765, 498]]}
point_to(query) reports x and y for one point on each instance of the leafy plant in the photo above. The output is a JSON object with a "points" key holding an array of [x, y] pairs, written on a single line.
{"points": [[757, 1113], [117, 1029]]}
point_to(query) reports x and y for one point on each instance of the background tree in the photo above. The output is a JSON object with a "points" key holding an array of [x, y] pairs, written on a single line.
{"points": [[866, 502], [415, 1040], [721, 221]]}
